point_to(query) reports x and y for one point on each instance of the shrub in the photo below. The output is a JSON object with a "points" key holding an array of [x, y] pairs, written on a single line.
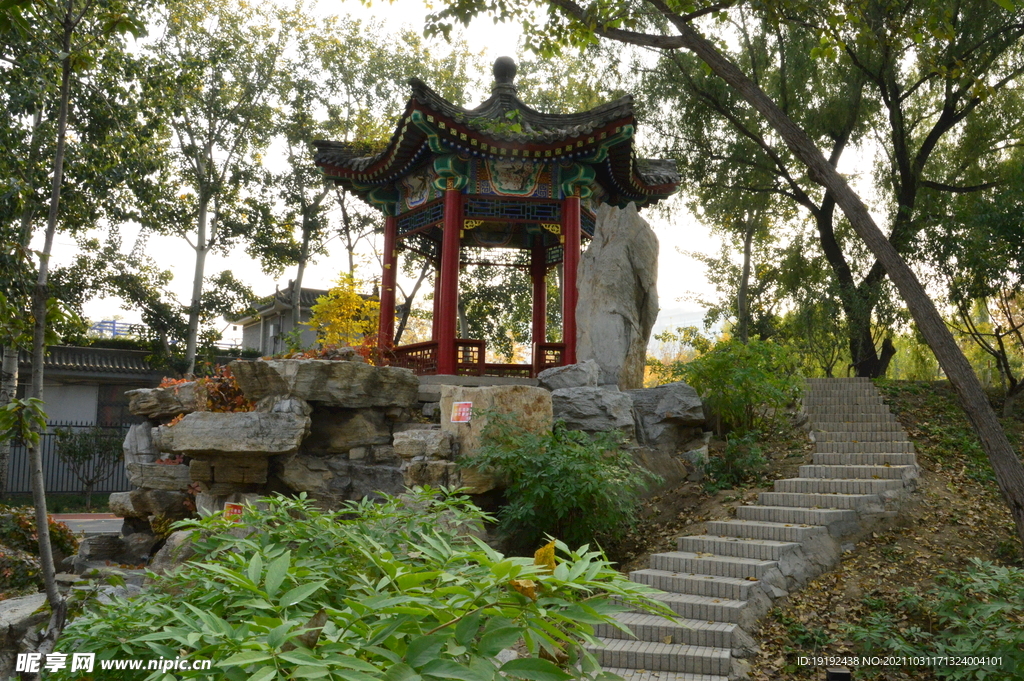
{"points": [[385, 590], [742, 461], [92, 455], [745, 386], [18, 531], [977, 613], [565, 483], [19, 571]]}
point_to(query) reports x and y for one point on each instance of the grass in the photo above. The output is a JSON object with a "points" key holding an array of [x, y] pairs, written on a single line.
{"points": [[64, 503]]}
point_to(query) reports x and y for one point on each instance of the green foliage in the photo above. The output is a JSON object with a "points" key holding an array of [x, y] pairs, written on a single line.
{"points": [[742, 461], [976, 613], [92, 455], [744, 386], [564, 483], [19, 571], [22, 420], [377, 590], [18, 532]]}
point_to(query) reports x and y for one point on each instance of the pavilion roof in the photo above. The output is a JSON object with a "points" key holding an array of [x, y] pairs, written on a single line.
{"points": [[504, 127]]}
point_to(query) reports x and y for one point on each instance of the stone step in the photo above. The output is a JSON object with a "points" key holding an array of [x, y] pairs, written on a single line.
{"points": [[867, 472], [707, 608], [838, 380], [709, 564], [695, 584], [865, 459], [662, 657], [760, 549], [865, 436], [845, 411], [856, 502], [845, 417], [646, 675], [846, 391], [836, 486], [803, 516], [685, 632], [755, 529], [871, 447], [855, 426]]}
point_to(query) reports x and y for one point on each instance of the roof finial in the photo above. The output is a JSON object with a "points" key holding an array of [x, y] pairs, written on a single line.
{"points": [[504, 70]]}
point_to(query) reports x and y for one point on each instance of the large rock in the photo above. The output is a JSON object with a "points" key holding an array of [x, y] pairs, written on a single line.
{"points": [[158, 476], [618, 298], [529, 407], [579, 375], [430, 444], [303, 473], [594, 409], [332, 383], [161, 502], [120, 504], [156, 403], [175, 551], [101, 547], [138, 444], [18, 619], [336, 431], [242, 434], [667, 416]]}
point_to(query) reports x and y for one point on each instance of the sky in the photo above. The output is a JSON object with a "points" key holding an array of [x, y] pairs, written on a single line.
{"points": [[679, 275]]}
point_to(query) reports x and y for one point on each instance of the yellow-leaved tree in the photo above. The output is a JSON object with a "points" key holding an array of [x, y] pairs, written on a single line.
{"points": [[344, 316]]}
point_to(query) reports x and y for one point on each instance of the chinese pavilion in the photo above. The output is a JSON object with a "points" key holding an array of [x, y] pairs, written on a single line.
{"points": [[457, 185]]}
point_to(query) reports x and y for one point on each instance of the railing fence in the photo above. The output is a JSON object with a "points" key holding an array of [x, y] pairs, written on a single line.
{"points": [[59, 478]]}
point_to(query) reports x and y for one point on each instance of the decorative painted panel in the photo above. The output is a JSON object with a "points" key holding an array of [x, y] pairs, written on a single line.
{"points": [[417, 188], [512, 177]]}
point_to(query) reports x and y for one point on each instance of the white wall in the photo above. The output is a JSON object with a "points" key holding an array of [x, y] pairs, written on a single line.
{"points": [[71, 402]]}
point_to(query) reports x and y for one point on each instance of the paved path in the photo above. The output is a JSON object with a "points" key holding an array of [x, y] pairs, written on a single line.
{"points": [[90, 523], [721, 583]]}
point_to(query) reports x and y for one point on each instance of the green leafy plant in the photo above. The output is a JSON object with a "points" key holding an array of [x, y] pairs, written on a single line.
{"points": [[742, 461], [92, 455], [19, 571], [975, 613], [746, 386], [18, 531], [392, 589], [564, 483]]}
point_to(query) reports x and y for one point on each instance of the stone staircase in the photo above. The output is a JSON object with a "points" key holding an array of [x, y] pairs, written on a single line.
{"points": [[722, 582]]}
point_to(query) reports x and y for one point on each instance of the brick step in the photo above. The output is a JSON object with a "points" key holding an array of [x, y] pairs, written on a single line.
{"points": [[695, 584], [867, 472], [865, 459], [865, 436], [754, 529], [684, 632], [709, 564], [662, 657], [856, 502], [863, 446], [856, 426], [707, 608], [646, 675], [836, 486], [760, 549], [802, 516]]}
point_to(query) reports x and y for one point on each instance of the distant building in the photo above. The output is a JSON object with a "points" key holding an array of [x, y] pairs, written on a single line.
{"points": [[87, 385], [270, 318]]}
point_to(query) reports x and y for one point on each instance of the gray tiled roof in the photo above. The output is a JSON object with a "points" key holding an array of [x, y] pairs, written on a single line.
{"points": [[67, 358]]}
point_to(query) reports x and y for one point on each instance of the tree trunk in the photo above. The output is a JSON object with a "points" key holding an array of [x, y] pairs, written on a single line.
{"points": [[202, 247], [40, 294], [407, 304], [8, 391], [742, 305], [1009, 470]]}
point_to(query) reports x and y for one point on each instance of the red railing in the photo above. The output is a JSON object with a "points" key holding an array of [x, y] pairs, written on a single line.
{"points": [[470, 359], [547, 355]]}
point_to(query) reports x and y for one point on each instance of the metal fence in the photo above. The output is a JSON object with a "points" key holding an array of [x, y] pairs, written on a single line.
{"points": [[58, 476]]}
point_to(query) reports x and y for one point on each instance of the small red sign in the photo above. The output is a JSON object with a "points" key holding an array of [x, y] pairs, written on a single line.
{"points": [[233, 512], [462, 412]]}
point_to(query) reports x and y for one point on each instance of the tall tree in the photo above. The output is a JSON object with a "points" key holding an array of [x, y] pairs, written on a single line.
{"points": [[656, 24], [919, 104], [217, 61]]}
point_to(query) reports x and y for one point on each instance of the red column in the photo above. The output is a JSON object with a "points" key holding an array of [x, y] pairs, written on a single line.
{"points": [[435, 319], [449, 305], [570, 263], [538, 270], [386, 325]]}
